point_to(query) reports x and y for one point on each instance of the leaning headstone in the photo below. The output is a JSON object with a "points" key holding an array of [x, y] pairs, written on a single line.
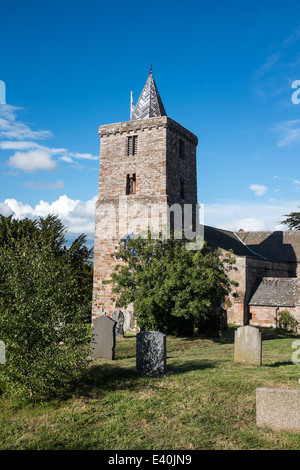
{"points": [[151, 353], [278, 409], [248, 345], [103, 338], [119, 318]]}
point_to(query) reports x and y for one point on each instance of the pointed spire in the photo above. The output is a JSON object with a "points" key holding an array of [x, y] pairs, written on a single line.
{"points": [[149, 103]]}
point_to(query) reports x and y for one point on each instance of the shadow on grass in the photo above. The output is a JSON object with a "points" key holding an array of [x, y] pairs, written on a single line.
{"points": [[226, 336], [188, 366], [279, 364], [276, 333], [106, 377], [102, 379]]}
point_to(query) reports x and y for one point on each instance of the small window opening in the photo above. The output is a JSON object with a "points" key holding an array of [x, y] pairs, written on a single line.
{"points": [[182, 189], [181, 149], [132, 145], [131, 184]]}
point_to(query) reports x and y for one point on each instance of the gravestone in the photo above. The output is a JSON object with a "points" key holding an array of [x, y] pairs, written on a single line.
{"points": [[104, 338], [151, 353], [2, 352], [248, 345], [127, 320], [278, 409], [119, 318]]}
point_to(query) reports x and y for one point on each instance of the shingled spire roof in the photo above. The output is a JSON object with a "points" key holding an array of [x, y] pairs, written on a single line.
{"points": [[149, 104]]}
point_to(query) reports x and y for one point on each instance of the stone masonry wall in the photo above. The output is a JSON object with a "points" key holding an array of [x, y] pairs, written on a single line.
{"points": [[249, 271], [157, 187], [267, 316]]}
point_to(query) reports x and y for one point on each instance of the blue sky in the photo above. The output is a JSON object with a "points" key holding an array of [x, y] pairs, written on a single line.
{"points": [[224, 70]]}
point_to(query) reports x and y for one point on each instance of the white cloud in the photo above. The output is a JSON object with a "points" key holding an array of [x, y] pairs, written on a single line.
{"points": [[66, 159], [18, 145], [43, 185], [29, 155], [271, 60], [32, 161], [259, 190], [233, 216], [288, 132], [5, 209], [8, 111], [10, 128], [78, 216], [84, 156]]}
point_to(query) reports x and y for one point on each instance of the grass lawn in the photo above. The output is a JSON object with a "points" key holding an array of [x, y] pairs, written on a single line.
{"points": [[205, 402]]}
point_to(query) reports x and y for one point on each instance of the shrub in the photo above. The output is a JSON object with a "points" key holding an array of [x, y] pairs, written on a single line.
{"points": [[43, 320], [171, 287], [287, 321]]}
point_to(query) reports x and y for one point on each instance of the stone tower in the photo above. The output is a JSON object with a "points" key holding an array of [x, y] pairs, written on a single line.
{"points": [[147, 165]]}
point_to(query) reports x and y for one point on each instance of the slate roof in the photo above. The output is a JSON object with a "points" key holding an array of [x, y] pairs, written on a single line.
{"points": [[149, 104], [227, 240], [282, 292], [277, 246], [273, 246]]}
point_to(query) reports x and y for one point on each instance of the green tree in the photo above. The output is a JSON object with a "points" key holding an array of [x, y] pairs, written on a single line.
{"points": [[43, 312], [171, 288], [292, 220], [50, 231]]}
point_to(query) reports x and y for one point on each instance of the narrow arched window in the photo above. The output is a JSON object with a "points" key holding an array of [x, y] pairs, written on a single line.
{"points": [[182, 189], [181, 149], [131, 184]]}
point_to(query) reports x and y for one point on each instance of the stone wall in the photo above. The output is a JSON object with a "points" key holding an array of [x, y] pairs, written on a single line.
{"points": [[159, 170], [251, 270], [261, 315]]}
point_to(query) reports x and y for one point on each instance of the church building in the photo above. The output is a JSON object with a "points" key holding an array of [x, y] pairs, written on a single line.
{"points": [[147, 166]]}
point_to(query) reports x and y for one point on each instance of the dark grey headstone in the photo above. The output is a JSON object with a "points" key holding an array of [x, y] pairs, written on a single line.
{"points": [[151, 353], [104, 338], [119, 318]]}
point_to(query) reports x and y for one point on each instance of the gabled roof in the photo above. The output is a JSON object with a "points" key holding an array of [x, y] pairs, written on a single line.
{"points": [[149, 104], [276, 246], [226, 240], [273, 246], [272, 291]]}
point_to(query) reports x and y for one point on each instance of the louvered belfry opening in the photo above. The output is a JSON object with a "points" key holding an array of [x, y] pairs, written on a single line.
{"points": [[132, 145]]}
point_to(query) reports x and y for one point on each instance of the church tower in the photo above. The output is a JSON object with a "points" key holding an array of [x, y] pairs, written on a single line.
{"points": [[147, 165]]}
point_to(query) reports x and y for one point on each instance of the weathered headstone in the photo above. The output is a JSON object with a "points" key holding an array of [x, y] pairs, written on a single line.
{"points": [[104, 338], [2, 352], [119, 318], [248, 345], [127, 320], [151, 353], [278, 409]]}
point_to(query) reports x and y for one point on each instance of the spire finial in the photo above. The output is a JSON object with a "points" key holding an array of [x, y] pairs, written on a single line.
{"points": [[151, 70]]}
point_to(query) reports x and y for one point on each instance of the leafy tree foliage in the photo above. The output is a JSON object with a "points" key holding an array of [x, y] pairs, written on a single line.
{"points": [[292, 220], [45, 304], [171, 288]]}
